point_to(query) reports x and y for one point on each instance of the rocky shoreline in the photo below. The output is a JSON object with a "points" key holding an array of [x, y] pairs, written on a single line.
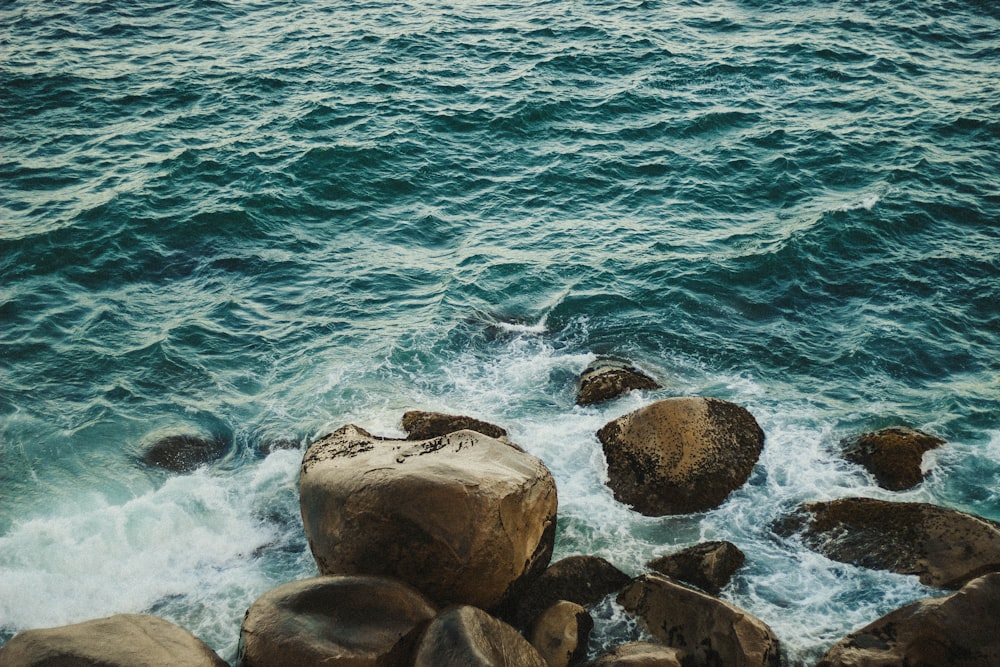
{"points": [[434, 550]]}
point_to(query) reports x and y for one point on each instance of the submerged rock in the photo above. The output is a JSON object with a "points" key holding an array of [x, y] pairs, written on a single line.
{"points": [[125, 640], [560, 633], [712, 631], [182, 452], [348, 620], [606, 378], [585, 580], [709, 565], [961, 630], [945, 548], [680, 455], [465, 636], [893, 455], [462, 517], [426, 425], [640, 654]]}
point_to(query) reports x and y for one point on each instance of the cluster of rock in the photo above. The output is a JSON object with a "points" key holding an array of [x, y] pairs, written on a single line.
{"points": [[434, 550]]}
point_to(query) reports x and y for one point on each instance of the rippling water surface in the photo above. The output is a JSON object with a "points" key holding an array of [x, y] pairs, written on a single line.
{"points": [[267, 219]]}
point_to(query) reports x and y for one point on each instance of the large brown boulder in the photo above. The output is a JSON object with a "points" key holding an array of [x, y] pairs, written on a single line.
{"points": [[464, 636], [605, 378], [421, 425], [125, 640], [640, 654], [709, 565], [712, 631], [585, 580], [961, 630], [560, 633], [680, 455], [345, 620], [462, 517], [893, 455], [945, 548]]}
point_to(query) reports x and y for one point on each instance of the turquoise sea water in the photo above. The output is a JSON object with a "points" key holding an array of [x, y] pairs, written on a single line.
{"points": [[267, 219]]}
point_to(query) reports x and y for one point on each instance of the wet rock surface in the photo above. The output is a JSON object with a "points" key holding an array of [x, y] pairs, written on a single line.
{"points": [[605, 379], [709, 565], [961, 630], [893, 455], [182, 452], [421, 425], [943, 547], [680, 455]]}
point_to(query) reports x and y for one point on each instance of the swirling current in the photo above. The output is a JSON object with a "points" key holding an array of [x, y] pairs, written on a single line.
{"points": [[263, 220]]}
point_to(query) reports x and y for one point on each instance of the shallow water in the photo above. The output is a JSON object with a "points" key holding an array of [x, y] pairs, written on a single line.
{"points": [[267, 220]]}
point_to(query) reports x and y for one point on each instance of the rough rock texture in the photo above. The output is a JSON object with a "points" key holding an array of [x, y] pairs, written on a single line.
{"points": [[585, 580], [961, 630], [345, 620], [680, 455], [709, 565], [426, 425], [464, 636], [640, 654], [945, 548], [893, 455], [184, 452], [713, 632], [605, 379], [560, 633], [462, 517], [126, 640]]}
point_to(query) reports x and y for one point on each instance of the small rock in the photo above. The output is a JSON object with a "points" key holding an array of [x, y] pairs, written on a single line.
{"points": [[426, 425], [560, 633], [961, 630], [349, 621], [464, 636], [640, 654], [945, 548], [713, 631], [463, 517], [585, 580], [680, 455], [184, 452], [893, 455], [606, 378], [125, 640], [709, 565]]}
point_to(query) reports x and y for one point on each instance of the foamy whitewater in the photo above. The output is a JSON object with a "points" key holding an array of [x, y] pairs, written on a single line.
{"points": [[266, 220]]}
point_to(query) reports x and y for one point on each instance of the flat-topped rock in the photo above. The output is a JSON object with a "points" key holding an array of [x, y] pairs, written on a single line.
{"points": [[462, 517], [943, 547], [421, 425], [348, 621], [125, 640], [680, 455], [640, 654], [709, 565]]}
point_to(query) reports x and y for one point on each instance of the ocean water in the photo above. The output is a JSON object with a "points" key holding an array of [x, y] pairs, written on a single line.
{"points": [[267, 219]]}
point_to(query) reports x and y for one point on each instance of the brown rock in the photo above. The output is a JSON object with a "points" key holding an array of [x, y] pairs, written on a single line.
{"points": [[462, 517], [709, 565], [961, 630], [605, 379], [893, 455], [585, 580], [464, 636], [945, 548], [426, 425], [347, 620], [640, 654], [126, 640], [680, 455], [183, 452], [560, 633], [714, 632]]}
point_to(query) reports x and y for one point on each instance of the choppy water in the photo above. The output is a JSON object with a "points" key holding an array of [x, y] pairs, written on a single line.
{"points": [[267, 219]]}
